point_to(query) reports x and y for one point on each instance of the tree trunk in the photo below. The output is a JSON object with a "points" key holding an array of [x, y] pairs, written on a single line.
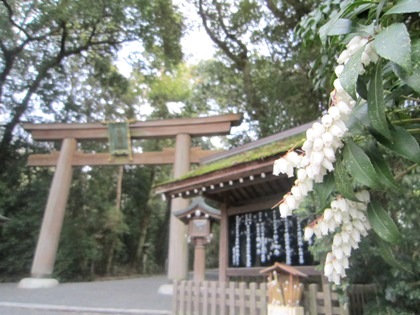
{"points": [[117, 210], [143, 229]]}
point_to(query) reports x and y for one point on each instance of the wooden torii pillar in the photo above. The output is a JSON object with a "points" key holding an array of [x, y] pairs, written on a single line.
{"points": [[183, 155]]}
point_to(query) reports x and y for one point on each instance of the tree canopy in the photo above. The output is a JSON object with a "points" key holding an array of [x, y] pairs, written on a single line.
{"points": [[276, 61], [38, 42], [261, 57]]}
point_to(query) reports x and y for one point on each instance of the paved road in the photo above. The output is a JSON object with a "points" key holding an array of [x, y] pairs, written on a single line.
{"points": [[129, 296]]}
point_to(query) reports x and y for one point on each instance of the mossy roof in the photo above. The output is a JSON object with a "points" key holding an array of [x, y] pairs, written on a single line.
{"points": [[258, 153]]}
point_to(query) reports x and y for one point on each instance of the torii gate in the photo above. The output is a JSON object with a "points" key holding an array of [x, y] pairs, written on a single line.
{"points": [[181, 129]]}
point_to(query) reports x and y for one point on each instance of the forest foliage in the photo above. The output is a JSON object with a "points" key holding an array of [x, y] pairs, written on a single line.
{"points": [[274, 62]]}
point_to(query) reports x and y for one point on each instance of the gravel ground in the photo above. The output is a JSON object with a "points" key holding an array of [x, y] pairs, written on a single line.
{"points": [[129, 296]]}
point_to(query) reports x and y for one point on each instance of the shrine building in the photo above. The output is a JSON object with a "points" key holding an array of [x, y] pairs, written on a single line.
{"points": [[240, 183]]}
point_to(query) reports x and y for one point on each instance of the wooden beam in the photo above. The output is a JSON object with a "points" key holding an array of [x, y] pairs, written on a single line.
{"points": [[201, 126], [167, 156]]}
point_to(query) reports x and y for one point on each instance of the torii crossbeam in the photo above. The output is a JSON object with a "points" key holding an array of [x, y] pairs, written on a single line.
{"points": [[69, 134]]}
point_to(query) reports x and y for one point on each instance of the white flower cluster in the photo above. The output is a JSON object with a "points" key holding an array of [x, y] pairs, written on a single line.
{"points": [[349, 219], [323, 139], [357, 42]]}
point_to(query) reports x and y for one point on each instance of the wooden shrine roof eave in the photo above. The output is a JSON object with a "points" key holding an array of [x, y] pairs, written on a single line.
{"points": [[255, 165], [200, 126], [222, 180], [281, 136]]}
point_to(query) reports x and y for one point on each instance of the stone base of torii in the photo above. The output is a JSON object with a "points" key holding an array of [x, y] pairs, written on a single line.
{"points": [[183, 155]]}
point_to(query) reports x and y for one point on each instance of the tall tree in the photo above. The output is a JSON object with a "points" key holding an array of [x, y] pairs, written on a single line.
{"points": [[37, 38], [257, 42]]}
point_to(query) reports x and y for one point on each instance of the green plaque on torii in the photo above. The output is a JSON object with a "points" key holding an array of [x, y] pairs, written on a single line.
{"points": [[119, 139]]}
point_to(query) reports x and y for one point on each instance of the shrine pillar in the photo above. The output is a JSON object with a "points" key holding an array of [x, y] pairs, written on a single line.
{"points": [[46, 249], [199, 259], [178, 247]]}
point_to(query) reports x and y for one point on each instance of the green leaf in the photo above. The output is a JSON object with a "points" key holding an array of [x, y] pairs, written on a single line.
{"points": [[364, 30], [348, 78], [379, 9], [393, 43], [343, 180], [340, 27], [382, 223], [361, 87], [324, 190], [359, 165], [412, 77], [360, 112], [347, 9], [382, 169], [387, 255], [405, 6], [376, 103], [403, 143]]}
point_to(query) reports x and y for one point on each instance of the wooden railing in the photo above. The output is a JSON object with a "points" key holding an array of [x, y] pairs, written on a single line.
{"points": [[240, 298]]}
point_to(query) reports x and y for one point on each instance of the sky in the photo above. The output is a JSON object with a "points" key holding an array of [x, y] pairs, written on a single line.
{"points": [[196, 44]]}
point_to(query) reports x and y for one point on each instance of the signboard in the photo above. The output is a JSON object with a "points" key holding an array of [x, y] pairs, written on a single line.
{"points": [[119, 139]]}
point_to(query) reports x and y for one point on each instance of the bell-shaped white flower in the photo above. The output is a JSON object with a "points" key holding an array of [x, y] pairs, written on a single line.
{"points": [[334, 112], [329, 153], [344, 57], [327, 164], [309, 232], [290, 200], [317, 157], [338, 70], [343, 108], [338, 252], [307, 146], [337, 241], [328, 214], [328, 269], [293, 158], [346, 247], [337, 266], [324, 227], [327, 120], [284, 210]]}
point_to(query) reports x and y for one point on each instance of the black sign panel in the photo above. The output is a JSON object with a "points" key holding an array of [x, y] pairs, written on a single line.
{"points": [[263, 238]]}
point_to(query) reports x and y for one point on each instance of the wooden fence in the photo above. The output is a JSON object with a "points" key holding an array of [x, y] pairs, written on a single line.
{"points": [[219, 298], [233, 298], [320, 300]]}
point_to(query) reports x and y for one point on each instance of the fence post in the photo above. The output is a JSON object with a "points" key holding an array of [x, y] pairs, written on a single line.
{"points": [[327, 296], [205, 292], [196, 297], [313, 303], [222, 300], [175, 297], [189, 295], [252, 298], [231, 299], [263, 298], [213, 300], [242, 299]]}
